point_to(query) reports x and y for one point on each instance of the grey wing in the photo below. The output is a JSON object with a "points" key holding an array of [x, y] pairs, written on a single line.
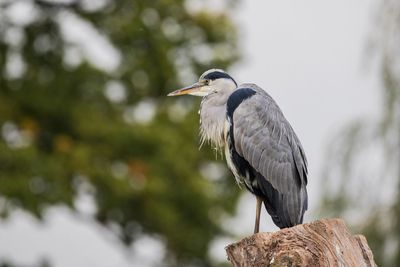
{"points": [[265, 139]]}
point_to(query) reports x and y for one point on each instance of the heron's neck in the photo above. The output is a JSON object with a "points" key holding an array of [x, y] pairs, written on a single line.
{"points": [[212, 118]]}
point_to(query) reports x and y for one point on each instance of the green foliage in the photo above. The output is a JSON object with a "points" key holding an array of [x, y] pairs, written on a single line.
{"points": [[60, 129]]}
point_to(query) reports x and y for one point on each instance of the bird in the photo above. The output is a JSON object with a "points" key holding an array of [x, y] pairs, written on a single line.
{"points": [[261, 148]]}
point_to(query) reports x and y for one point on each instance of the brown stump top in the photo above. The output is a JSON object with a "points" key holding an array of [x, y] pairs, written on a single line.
{"points": [[326, 242]]}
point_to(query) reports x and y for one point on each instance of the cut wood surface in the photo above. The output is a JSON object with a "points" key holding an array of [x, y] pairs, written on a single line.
{"points": [[326, 242]]}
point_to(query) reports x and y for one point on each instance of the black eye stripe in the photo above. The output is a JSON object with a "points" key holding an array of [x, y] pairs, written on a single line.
{"points": [[218, 75]]}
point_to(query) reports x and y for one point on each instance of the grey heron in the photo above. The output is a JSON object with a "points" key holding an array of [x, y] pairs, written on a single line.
{"points": [[261, 148]]}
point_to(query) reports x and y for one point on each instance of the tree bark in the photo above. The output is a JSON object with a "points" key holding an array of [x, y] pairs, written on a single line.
{"points": [[326, 242]]}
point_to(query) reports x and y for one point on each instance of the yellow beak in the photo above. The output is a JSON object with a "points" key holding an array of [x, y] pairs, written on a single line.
{"points": [[194, 89]]}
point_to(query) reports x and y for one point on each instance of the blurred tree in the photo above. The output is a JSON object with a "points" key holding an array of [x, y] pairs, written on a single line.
{"points": [[364, 160], [83, 109]]}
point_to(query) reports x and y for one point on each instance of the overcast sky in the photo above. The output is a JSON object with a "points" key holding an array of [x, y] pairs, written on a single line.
{"points": [[310, 56]]}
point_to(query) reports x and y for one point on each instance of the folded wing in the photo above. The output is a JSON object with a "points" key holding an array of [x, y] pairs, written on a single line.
{"points": [[265, 140]]}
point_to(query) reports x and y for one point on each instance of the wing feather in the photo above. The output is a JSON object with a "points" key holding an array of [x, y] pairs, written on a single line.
{"points": [[266, 140]]}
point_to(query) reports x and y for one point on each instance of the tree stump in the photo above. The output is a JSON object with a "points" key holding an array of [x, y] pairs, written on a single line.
{"points": [[326, 242]]}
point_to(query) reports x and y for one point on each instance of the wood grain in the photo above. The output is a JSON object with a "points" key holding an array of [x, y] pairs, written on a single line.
{"points": [[327, 242]]}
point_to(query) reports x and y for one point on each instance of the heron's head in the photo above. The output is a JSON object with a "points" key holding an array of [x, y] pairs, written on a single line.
{"points": [[211, 81]]}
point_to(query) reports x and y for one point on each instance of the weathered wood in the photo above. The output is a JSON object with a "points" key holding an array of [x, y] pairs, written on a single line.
{"points": [[326, 242]]}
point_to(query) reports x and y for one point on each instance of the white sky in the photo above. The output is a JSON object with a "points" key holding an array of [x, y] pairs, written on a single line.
{"points": [[309, 56], [312, 59]]}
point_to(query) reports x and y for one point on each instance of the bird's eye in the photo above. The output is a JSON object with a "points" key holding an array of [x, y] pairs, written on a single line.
{"points": [[207, 82]]}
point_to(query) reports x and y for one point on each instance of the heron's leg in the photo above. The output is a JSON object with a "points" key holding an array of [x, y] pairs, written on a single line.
{"points": [[258, 211]]}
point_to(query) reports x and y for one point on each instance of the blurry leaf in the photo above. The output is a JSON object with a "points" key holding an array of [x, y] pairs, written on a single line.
{"points": [[83, 101]]}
